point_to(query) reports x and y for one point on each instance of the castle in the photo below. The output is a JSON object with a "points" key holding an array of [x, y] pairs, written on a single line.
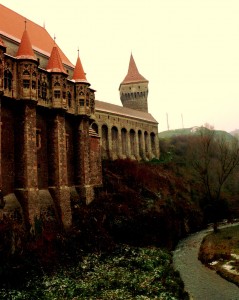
{"points": [[53, 133]]}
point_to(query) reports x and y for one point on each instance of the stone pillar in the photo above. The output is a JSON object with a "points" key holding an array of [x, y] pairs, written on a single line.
{"points": [[129, 150], [26, 182], [157, 148], [58, 181], [83, 162], [143, 146], [111, 154]]}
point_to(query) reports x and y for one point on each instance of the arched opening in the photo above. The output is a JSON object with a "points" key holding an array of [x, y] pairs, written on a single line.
{"points": [[153, 144], [105, 142], [124, 141], [94, 126], [141, 148], [146, 140], [115, 140], [132, 142]]}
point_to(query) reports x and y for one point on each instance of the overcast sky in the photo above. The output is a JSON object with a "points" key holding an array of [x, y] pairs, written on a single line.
{"points": [[187, 49]]}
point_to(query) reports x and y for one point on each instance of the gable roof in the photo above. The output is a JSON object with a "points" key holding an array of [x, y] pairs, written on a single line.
{"points": [[12, 26], [133, 74], [124, 111]]}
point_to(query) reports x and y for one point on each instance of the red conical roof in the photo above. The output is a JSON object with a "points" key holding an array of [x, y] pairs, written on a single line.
{"points": [[79, 74], [25, 48], [55, 62], [133, 73]]}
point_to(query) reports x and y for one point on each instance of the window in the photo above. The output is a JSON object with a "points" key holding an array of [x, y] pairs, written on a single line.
{"points": [[39, 88], [82, 102], [64, 95], [44, 90], [34, 85], [26, 83], [7, 80], [57, 94], [69, 98], [26, 72]]}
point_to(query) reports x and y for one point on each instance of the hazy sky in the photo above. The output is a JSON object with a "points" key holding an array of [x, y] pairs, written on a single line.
{"points": [[187, 49]]}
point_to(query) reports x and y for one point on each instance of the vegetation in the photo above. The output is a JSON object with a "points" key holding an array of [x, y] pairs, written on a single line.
{"points": [[220, 252], [113, 249], [128, 273], [208, 162]]}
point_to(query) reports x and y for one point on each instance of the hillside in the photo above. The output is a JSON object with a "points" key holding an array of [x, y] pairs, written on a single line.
{"points": [[193, 131]]}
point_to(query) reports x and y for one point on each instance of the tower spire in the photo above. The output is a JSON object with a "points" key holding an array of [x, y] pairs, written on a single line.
{"points": [[133, 74], [55, 63], [134, 88], [25, 50], [79, 74]]}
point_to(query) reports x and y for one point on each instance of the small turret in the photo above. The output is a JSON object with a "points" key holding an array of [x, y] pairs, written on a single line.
{"points": [[58, 79], [27, 69], [84, 102], [134, 89]]}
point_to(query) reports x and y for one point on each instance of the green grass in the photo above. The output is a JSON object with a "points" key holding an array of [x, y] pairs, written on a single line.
{"points": [[128, 273]]}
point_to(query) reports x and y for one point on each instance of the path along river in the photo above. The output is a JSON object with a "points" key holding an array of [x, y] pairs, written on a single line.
{"points": [[200, 282]]}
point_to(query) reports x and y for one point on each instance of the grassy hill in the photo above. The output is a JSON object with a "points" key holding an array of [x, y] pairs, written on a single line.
{"points": [[192, 131]]}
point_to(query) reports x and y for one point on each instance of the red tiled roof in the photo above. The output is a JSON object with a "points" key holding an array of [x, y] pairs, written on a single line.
{"points": [[124, 111], [12, 26], [79, 74], [25, 47], [133, 73], [54, 62]]}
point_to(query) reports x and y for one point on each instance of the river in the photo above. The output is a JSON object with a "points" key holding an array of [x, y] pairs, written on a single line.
{"points": [[200, 282]]}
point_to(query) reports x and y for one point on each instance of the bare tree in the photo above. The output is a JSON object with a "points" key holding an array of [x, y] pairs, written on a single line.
{"points": [[214, 158]]}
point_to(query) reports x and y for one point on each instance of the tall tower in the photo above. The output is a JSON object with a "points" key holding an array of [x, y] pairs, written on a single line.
{"points": [[134, 89]]}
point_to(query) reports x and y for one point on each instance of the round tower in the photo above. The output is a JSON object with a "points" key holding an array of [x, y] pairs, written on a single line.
{"points": [[58, 79], [27, 69], [134, 89], [82, 90]]}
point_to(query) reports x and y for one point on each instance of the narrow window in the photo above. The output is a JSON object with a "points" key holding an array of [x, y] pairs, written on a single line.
{"points": [[44, 91], [26, 83], [82, 102], [57, 94]]}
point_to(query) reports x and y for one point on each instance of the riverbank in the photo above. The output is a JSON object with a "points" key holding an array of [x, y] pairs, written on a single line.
{"points": [[220, 252], [200, 282]]}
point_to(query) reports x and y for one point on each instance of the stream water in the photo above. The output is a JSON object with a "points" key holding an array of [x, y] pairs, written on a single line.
{"points": [[200, 282]]}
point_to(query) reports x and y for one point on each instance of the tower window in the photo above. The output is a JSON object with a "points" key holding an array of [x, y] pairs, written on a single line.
{"points": [[82, 102], [7, 80], [26, 72], [26, 84], [57, 94], [44, 86]]}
